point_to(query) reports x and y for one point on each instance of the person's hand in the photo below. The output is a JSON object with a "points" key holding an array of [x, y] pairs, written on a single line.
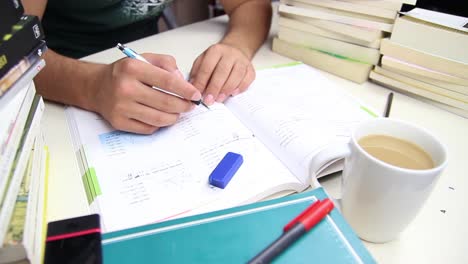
{"points": [[123, 96], [222, 70]]}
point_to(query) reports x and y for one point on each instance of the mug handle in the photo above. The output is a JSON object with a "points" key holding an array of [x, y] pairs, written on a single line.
{"points": [[328, 155]]}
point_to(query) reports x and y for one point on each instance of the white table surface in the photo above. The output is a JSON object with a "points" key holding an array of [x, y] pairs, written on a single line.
{"points": [[433, 237]]}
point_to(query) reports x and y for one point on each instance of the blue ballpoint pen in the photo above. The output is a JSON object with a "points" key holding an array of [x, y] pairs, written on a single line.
{"points": [[132, 54]]}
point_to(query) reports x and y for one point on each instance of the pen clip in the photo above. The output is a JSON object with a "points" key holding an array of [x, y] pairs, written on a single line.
{"points": [[301, 215], [313, 217]]}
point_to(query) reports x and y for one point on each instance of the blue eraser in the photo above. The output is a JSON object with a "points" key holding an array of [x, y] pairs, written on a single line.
{"points": [[225, 170]]}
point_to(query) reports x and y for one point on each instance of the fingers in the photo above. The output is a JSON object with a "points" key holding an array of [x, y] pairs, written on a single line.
{"points": [[151, 116], [218, 79], [138, 118], [238, 73], [132, 105], [246, 81], [129, 104], [135, 126], [204, 70], [161, 78], [162, 61], [221, 71], [195, 68], [165, 62], [160, 100]]}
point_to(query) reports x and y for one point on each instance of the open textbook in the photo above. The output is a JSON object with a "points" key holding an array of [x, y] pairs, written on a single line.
{"points": [[288, 115]]}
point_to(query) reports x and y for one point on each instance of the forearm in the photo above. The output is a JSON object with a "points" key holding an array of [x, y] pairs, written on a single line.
{"points": [[67, 80], [63, 79], [249, 24]]}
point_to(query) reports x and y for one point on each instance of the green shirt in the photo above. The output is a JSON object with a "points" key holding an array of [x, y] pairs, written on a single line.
{"points": [[77, 28]]}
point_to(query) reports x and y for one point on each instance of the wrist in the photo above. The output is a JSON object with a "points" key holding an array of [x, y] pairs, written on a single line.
{"points": [[92, 83], [248, 52]]}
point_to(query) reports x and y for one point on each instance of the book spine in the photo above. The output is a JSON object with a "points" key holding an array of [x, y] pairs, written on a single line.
{"points": [[20, 166], [41, 216], [10, 13], [22, 235], [351, 51], [30, 232], [9, 114], [22, 82], [424, 59], [336, 17], [10, 150], [15, 73], [343, 67], [19, 150], [16, 227], [347, 7], [14, 46], [18, 244]]}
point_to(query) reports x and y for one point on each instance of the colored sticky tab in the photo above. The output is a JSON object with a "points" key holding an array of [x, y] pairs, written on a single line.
{"points": [[225, 170]]}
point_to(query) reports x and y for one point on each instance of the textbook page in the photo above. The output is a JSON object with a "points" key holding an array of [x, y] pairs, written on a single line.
{"points": [[145, 179], [297, 112]]}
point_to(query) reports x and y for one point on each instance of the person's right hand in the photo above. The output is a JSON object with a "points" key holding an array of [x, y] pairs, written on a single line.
{"points": [[123, 96]]}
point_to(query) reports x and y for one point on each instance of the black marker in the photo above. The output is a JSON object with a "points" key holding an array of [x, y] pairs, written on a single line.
{"points": [[388, 107]]}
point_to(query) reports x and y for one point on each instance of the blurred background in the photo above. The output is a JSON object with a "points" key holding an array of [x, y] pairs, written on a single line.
{"points": [[454, 7], [183, 12]]}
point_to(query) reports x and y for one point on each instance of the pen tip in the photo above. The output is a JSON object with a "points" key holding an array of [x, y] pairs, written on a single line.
{"points": [[201, 102]]}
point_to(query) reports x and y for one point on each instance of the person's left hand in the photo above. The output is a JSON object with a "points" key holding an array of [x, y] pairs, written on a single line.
{"points": [[222, 70]]}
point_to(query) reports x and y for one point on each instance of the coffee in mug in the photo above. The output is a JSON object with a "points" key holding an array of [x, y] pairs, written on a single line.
{"points": [[397, 152], [390, 169]]}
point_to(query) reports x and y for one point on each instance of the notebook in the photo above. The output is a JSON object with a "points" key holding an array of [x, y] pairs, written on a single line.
{"points": [[286, 120], [236, 235]]}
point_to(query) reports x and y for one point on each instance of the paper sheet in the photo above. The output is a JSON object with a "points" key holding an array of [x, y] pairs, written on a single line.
{"points": [[288, 114], [150, 178], [296, 111]]}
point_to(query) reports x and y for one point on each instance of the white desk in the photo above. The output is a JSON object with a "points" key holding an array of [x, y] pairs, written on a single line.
{"points": [[433, 237]]}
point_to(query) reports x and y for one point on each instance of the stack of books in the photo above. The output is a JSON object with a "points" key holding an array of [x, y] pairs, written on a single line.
{"points": [[23, 156], [426, 57], [339, 36]]}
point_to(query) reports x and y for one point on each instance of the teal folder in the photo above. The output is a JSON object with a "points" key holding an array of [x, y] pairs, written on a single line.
{"points": [[236, 235]]}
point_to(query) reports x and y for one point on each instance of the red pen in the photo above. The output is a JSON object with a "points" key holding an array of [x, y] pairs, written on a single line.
{"points": [[295, 229], [309, 209]]}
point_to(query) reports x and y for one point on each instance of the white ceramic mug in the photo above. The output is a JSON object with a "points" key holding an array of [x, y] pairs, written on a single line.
{"points": [[378, 199]]}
